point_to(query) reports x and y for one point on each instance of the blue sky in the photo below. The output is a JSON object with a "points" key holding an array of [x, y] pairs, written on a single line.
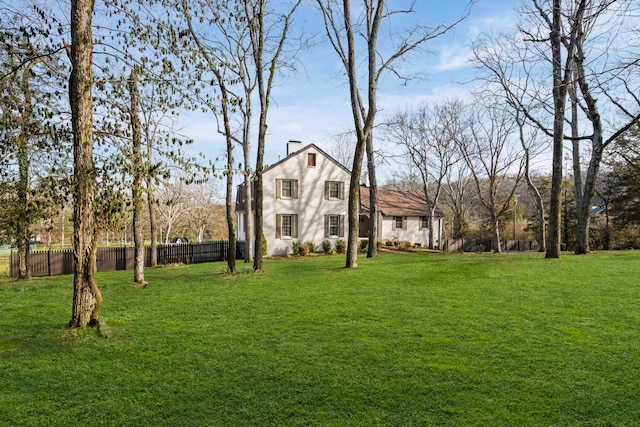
{"points": [[313, 105]]}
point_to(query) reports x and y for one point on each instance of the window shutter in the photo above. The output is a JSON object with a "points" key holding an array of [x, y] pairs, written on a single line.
{"points": [[341, 224], [326, 225], [404, 222], [294, 226], [393, 223], [278, 189], [294, 188], [278, 226], [326, 190], [341, 192]]}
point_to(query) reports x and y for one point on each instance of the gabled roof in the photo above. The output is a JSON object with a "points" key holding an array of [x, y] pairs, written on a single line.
{"points": [[241, 203], [397, 203], [302, 150]]}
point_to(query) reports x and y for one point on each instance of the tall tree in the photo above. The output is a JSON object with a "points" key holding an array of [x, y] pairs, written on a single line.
{"points": [[30, 79], [87, 298], [138, 176], [593, 80], [587, 64], [426, 136], [493, 159], [341, 29], [267, 44], [510, 77], [214, 61]]}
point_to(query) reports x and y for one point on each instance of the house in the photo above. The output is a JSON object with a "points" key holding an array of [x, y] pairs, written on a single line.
{"points": [[403, 216], [305, 199]]}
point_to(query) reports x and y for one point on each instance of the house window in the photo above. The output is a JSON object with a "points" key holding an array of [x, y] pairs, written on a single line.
{"points": [[286, 188], [424, 222], [334, 225], [286, 226], [334, 190], [399, 222], [311, 160]]}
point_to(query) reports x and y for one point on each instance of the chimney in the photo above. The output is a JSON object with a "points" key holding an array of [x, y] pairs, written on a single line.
{"points": [[365, 179], [293, 146]]}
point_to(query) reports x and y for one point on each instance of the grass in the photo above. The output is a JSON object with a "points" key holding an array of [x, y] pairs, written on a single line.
{"points": [[405, 339]]}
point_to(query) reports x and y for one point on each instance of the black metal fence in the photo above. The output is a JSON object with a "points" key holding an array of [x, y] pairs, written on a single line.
{"points": [[56, 262], [486, 245]]}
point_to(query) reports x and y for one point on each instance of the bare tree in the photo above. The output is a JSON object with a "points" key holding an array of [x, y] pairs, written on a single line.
{"points": [[459, 197], [530, 147], [173, 203], [503, 64], [268, 39], [587, 65], [493, 159], [593, 80], [202, 212], [426, 136], [342, 29], [340, 147]]}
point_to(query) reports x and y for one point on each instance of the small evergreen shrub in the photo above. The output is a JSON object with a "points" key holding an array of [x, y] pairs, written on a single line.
{"points": [[326, 246], [363, 244], [312, 247], [341, 246], [296, 247]]}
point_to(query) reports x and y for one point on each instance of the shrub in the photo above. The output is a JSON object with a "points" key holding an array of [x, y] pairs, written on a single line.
{"points": [[296, 247], [363, 244], [341, 246], [326, 246], [312, 247], [303, 250], [388, 243]]}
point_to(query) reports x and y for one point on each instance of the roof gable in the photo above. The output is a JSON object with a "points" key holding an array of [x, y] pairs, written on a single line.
{"points": [[302, 150]]}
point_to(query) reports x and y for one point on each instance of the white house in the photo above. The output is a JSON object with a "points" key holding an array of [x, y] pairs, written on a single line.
{"points": [[304, 199], [403, 216]]}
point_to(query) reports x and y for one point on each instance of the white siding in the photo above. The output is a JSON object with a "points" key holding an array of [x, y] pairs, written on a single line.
{"points": [[310, 205]]}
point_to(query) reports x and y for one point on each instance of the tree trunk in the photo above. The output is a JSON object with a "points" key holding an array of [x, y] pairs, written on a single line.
{"points": [[495, 224], [23, 233], [263, 95], [23, 220], [153, 226], [151, 206], [87, 298], [559, 99], [372, 250], [246, 151], [432, 227], [231, 255], [138, 173], [588, 189]]}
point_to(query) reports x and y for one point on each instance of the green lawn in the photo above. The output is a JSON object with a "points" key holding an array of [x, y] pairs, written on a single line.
{"points": [[405, 339]]}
